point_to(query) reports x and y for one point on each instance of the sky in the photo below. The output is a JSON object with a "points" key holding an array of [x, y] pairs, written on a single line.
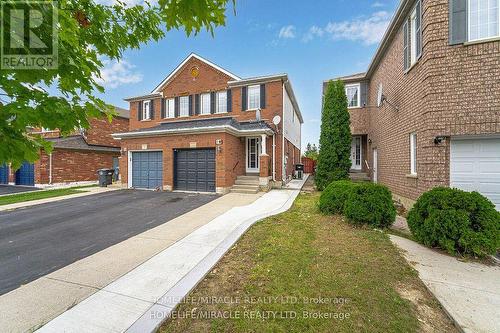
{"points": [[311, 41]]}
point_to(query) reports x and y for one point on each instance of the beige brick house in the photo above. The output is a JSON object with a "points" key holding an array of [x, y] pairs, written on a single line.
{"points": [[205, 129], [427, 111]]}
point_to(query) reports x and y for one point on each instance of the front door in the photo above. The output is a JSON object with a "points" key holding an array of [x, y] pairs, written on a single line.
{"points": [[252, 155], [356, 153]]}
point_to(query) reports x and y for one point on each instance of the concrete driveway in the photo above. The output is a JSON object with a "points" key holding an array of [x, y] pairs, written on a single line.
{"points": [[41, 239], [11, 189]]}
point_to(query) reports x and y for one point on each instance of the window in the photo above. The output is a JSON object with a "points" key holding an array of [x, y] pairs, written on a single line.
{"points": [[254, 97], [205, 103], [146, 110], [353, 96], [412, 39], [413, 36], [184, 106], [170, 108], [484, 19], [221, 106], [413, 153]]}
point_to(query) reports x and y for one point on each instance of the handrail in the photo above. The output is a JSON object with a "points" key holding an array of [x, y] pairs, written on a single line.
{"points": [[367, 166], [237, 162]]}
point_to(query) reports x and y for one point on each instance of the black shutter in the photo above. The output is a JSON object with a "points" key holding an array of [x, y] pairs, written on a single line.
{"points": [[419, 28], [197, 104], [364, 94], [191, 110], [139, 110], [457, 21], [176, 107], [152, 109], [406, 46], [244, 99], [162, 108], [263, 96], [229, 96], [212, 102]]}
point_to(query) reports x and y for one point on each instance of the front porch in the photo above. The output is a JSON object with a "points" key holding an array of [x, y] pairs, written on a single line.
{"points": [[360, 168]]}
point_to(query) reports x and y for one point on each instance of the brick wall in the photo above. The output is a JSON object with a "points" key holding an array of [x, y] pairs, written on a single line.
{"points": [[451, 90], [101, 129]]}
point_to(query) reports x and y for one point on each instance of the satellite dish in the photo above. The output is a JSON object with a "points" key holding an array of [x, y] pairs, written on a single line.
{"points": [[380, 95], [257, 115], [276, 120]]}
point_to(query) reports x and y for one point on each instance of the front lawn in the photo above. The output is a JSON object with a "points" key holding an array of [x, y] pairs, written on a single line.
{"points": [[301, 271], [37, 195]]}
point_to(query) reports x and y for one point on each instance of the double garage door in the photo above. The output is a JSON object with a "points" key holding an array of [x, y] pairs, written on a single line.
{"points": [[475, 166], [193, 170]]}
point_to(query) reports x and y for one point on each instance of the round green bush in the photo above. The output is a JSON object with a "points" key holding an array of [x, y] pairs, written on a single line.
{"points": [[334, 196], [370, 203], [459, 222]]}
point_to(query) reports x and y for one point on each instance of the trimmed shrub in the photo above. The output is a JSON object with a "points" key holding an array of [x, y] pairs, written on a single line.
{"points": [[333, 198], [370, 203], [459, 222]]}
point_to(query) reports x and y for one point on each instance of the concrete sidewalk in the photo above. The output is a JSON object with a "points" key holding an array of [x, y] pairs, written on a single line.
{"points": [[34, 304], [141, 299], [468, 291]]}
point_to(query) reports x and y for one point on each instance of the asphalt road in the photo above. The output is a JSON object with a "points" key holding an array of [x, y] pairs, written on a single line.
{"points": [[40, 239], [9, 189]]}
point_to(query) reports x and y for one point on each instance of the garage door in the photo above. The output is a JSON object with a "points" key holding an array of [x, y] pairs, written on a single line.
{"points": [[475, 166], [26, 174], [147, 169], [194, 170], [4, 174]]}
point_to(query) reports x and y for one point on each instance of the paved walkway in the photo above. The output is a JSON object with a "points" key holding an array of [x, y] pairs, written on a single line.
{"points": [[141, 299], [469, 292]]}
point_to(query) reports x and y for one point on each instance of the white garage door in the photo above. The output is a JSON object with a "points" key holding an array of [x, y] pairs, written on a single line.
{"points": [[475, 166]]}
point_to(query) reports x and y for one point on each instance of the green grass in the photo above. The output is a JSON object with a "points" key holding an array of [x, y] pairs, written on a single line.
{"points": [[43, 194], [303, 254]]}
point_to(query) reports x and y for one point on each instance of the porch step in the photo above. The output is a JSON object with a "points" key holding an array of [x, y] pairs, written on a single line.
{"points": [[246, 181], [359, 177], [245, 189], [246, 184]]}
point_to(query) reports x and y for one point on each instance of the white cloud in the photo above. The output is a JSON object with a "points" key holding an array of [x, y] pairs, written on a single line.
{"points": [[378, 4], [287, 32], [313, 32], [115, 74], [369, 31]]}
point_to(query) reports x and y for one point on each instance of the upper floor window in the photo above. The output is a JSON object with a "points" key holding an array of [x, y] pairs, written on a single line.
{"points": [[221, 106], [254, 97], [184, 106], [146, 110], [170, 108], [205, 103], [412, 36], [484, 19], [352, 92]]}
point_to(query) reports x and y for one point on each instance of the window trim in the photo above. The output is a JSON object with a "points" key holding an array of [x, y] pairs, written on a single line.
{"points": [[484, 39], [146, 112], [180, 106], [413, 153], [217, 102], [413, 36], [358, 85], [209, 103], [256, 86]]}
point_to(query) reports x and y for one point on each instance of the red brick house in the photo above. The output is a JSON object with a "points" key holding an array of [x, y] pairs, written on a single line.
{"points": [[427, 111], [75, 158], [205, 129]]}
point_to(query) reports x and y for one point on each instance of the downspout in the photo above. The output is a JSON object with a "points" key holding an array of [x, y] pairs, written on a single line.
{"points": [[274, 157], [283, 166], [50, 168]]}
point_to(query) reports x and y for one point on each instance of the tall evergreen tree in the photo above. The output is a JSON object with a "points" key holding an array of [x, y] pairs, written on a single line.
{"points": [[335, 141]]}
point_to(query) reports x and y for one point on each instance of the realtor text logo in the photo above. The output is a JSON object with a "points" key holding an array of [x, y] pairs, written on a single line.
{"points": [[29, 35]]}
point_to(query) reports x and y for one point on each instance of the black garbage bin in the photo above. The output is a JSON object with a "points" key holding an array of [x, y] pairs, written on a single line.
{"points": [[105, 177], [299, 170]]}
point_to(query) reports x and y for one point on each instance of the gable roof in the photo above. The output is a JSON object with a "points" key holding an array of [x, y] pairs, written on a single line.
{"points": [[178, 68]]}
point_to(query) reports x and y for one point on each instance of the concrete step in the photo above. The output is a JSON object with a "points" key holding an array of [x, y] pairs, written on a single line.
{"points": [[244, 191], [359, 177], [254, 182], [246, 187], [248, 177]]}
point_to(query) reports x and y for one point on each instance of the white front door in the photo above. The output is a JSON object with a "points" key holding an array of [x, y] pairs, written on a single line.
{"points": [[252, 155], [375, 165], [356, 153]]}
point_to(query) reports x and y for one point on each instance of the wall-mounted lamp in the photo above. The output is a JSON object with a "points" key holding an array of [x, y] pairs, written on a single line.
{"points": [[439, 139], [369, 141], [219, 149]]}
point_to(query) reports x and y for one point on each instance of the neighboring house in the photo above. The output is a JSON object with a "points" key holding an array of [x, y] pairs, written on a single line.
{"points": [[75, 158], [203, 127], [427, 111]]}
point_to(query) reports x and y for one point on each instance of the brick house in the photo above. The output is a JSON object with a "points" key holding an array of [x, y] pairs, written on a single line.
{"points": [[427, 111], [75, 158], [205, 129]]}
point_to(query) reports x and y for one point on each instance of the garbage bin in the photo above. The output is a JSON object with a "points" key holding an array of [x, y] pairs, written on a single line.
{"points": [[105, 177], [299, 170]]}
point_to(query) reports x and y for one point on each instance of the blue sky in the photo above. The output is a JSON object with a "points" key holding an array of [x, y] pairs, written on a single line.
{"points": [[310, 40]]}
